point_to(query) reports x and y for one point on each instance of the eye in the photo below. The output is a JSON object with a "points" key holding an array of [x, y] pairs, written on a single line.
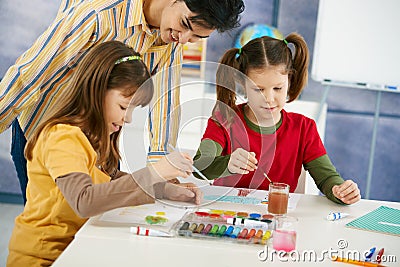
{"points": [[183, 23], [259, 89], [123, 108], [277, 88]]}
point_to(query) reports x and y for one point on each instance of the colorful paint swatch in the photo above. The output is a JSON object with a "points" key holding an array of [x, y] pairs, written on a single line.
{"points": [[192, 227], [236, 232], [214, 230], [207, 229], [257, 237], [199, 228], [213, 224], [229, 231], [243, 233], [221, 230], [251, 234]]}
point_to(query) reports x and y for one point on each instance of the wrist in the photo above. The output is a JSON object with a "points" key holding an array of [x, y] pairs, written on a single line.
{"points": [[159, 190]]}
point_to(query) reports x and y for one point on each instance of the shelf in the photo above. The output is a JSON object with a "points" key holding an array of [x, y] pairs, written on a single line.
{"points": [[194, 56]]}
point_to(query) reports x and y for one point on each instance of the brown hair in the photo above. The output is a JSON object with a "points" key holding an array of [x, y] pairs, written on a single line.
{"points": [[258, 54], [81, 103]]}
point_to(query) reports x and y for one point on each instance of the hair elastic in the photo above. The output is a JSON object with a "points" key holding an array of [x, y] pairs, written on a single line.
{"points": [[128, 58], [284, 40], [238, 52]]}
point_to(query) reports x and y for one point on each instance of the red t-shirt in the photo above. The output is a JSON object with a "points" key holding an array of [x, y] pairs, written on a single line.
{"points": [[280, 155]]}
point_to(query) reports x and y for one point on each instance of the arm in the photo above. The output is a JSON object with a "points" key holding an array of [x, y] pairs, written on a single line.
{"points": [[329, 181], [88, 199], [209, 158], [118, 174], [209, 161], [70, 160], [53, 52], [164, 113]]}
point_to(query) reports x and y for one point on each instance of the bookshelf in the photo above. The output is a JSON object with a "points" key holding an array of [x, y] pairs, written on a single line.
{"points": [[194, 56]]}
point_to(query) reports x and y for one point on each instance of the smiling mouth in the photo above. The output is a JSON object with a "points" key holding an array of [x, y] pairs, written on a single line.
{"points": [[116, 127], [173, 37]]}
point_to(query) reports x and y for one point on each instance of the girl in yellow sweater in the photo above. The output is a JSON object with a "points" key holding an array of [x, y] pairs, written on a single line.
{"points": [[73, 157]]}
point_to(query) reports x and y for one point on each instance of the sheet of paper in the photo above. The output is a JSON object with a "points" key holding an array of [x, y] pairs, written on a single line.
{"points": [[136, 215], [243, 196]]}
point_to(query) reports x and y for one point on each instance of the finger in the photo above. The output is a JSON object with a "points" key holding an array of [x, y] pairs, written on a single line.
{"points": [[184, 174], [188, 157], [237, 169], [198, 193], [240, 167], [335, 191], [249, 160], [183, 165], [185, 194], [187, 163], [242, 161], [174, 181], [352, 200], [248, 164], [187, 185], [352, 197], [199, 196], [345, 188], [253, 158]]}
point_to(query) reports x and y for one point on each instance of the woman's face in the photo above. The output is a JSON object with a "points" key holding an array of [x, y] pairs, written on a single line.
{"points": [[175, 25]]}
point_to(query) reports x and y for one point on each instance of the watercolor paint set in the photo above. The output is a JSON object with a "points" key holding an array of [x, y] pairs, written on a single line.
{"points": [[226, 225]]}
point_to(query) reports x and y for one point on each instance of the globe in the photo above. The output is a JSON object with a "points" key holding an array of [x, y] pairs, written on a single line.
{"points": [[252, 31]]}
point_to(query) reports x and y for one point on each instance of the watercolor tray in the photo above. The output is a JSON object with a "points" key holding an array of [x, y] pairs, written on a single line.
{"points": [[223, 225]]}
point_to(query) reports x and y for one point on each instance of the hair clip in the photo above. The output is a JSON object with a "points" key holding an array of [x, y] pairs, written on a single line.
{"points": [[284, 40], [128, 58]]}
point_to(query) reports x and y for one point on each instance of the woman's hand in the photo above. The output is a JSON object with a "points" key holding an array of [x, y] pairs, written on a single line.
{"points": [[175, 164], [242, 161], [187, 192], [347, 192]]}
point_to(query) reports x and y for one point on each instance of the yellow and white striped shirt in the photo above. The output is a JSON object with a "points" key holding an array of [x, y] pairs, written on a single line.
{"points": [[43, 71]]}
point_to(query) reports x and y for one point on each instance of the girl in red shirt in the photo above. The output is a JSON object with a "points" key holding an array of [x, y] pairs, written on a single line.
{"points": [[244, 143]]}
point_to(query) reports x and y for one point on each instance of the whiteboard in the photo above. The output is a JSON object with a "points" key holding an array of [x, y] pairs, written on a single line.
{"points": [[357, 43]]}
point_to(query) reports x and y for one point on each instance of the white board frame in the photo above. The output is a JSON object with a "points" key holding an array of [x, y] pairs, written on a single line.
{"points": [[357, 44]]}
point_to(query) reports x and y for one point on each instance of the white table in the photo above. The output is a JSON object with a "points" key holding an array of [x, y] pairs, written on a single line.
{"points": [[115, 246]]}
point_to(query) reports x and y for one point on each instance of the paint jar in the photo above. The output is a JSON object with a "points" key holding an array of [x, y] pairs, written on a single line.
{"points": [[285, 234], [278, 197]]}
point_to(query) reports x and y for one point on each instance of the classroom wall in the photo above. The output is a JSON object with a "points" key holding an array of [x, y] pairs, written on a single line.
{"points": [[350, 117], [19, 28], [350, 111]]}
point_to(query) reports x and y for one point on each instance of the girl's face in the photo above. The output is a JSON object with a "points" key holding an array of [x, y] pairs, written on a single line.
{"points": [[175, 25], [117, 110], [266, 92]]}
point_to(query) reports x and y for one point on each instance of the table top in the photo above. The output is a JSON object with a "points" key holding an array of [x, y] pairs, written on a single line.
{"points": [[96, 245]]}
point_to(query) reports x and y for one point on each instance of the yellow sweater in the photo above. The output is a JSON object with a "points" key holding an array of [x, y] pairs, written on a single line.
{"points": [[48, 224]]}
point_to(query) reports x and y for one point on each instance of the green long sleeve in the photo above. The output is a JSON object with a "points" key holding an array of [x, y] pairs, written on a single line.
{"points": [[209, 161], [325, 176]]}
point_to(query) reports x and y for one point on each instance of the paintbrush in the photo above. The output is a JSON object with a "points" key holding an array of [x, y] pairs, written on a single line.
{"points": [[266, 176], [195, 169]]}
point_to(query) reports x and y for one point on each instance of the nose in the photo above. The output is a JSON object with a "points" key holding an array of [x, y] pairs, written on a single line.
{"points": [[184, 36], [128, 117], [269, 96]]}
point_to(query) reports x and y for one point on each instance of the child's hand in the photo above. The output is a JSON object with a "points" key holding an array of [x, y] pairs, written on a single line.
{"points": [[183, 192], [242, 161], [347, 192], [175, 164]]}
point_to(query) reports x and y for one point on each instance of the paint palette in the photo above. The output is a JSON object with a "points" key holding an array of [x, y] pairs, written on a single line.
{"points": [[233, 226]]}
